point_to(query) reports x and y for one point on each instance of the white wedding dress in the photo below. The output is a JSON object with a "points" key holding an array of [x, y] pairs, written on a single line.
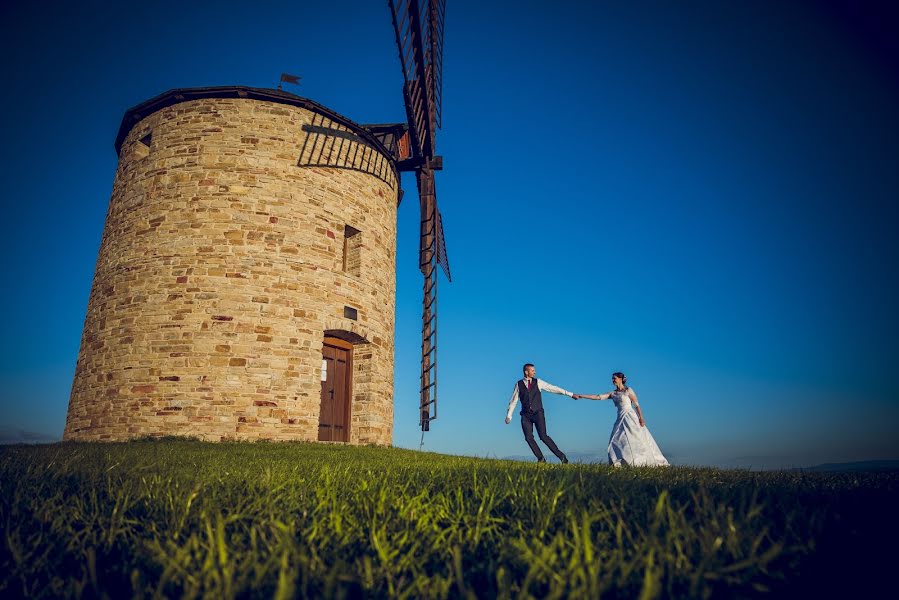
{"points": [[629, 443]]}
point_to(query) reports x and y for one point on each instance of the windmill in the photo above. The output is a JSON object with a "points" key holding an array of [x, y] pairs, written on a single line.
{"points": [[419, 37]]}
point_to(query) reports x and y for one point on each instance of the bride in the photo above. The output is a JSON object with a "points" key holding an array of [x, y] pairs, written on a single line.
{"points": [[630, 443]]}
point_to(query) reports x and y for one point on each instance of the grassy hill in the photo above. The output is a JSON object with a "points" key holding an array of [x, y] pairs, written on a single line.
{"points": [[184, 518]]}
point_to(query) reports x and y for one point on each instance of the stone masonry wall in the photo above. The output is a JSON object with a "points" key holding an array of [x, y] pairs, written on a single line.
{"points": [[220, 269]]}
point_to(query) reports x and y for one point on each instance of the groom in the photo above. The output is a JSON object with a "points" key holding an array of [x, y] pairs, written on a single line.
{"points": [[528, 390]]}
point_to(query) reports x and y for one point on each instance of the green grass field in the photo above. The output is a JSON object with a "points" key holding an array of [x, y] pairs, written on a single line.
{"points": [[181, 518]]}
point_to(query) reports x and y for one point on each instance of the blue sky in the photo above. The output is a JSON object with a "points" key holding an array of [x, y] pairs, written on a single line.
{"points": [[702, 195]]}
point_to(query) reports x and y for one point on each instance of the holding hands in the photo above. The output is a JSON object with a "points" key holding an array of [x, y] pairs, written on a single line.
{"points": [[591, 396]]}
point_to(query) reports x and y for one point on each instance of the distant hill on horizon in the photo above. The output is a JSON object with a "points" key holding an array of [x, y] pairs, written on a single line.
{"points": [[16, 435], [864, 465]]}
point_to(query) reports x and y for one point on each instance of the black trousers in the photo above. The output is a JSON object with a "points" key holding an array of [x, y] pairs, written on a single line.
{"points": [[528, 420]]}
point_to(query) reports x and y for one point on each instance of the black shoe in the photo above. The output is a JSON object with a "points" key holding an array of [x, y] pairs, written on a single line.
{"points": [[564, 461], [541, 460]]}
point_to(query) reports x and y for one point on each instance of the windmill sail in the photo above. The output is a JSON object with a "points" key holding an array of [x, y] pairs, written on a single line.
{"points": [[418, 25], [434, 56], [419, 36]]}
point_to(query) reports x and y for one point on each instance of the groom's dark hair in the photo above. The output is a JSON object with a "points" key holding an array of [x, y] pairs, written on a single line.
{"points": [[525, 367]]}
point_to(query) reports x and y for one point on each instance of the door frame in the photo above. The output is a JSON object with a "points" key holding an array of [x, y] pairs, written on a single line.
{"points": [[344, 345]]}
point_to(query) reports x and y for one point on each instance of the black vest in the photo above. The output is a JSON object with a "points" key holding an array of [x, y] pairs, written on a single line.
{"points": [[531, 400]]}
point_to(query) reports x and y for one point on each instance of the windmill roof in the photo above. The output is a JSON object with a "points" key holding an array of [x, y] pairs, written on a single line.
{"points": [[134, 114]]}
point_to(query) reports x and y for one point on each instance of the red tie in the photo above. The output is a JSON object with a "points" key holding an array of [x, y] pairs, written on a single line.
{"points": [[530, 383]]}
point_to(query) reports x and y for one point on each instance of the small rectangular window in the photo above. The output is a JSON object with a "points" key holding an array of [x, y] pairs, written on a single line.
{"points": [[142, 147], [352, 250], [350, 313]]}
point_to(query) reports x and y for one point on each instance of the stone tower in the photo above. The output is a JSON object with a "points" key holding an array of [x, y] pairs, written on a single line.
{"points": [[245, 284]]}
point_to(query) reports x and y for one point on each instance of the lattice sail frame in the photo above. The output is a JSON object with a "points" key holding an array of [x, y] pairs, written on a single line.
{"points": [[419, 26]]}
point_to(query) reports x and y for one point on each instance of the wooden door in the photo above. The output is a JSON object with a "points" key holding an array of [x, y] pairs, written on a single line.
{"points": [[334, 418]]}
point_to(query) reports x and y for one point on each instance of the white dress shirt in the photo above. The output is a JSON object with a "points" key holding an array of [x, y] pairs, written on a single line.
{"points": [[541, 385]]}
